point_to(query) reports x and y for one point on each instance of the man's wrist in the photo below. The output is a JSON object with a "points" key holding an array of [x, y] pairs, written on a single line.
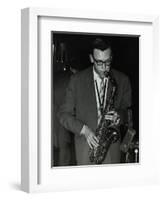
{"points": [[83, 130]]}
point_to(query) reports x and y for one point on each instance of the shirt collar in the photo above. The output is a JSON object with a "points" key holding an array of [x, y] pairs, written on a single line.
{"points": [[95, 75]]}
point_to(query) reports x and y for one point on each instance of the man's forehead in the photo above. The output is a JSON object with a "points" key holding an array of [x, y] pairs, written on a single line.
{"points": [[103, 53]]}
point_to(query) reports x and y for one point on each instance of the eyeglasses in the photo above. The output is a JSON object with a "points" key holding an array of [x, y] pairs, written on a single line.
{"points": [[101, 63]]}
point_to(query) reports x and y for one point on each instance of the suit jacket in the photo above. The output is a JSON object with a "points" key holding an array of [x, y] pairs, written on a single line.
{"points": [[61, 136], [80, 108]]}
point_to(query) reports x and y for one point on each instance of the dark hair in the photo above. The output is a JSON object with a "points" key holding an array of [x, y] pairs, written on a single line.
{"points": [[101, 44]]}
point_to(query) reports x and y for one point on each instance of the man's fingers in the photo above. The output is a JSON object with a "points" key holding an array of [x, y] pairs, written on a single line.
{"points": [[111, 112], [108, 117], [112, 116], [91, 138], [92, 142], [89, 143], [96, 139], [117, 121]]}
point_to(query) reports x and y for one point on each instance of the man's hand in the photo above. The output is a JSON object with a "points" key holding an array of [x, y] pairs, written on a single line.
{"points": [[92, 140], [113, 117]]}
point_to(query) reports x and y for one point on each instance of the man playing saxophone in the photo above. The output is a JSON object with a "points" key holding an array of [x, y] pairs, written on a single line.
{"points": [[96, 95]]}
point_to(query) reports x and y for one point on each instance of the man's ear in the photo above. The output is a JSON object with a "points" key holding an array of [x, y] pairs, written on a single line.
{"points": [[91, 58]]}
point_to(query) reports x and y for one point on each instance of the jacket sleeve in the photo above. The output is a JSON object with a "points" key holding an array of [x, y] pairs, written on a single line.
{"points": [[126, 100], [66, 112]]}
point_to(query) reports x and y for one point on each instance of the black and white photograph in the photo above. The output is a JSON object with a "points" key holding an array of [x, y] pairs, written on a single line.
{"points": [[95, 99]]}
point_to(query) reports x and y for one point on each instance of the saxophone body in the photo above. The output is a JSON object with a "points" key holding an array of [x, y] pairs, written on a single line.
{"points": [[106, 132]]}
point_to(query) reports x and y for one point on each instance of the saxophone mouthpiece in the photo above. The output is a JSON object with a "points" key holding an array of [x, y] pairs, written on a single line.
{"points": [[106, 74]]}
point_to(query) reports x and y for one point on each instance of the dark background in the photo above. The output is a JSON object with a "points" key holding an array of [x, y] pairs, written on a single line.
{"points": [[73, 49], [67, 47]]}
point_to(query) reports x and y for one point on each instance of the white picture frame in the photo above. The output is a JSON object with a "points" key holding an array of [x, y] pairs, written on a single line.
{"points": [[36, 171]]}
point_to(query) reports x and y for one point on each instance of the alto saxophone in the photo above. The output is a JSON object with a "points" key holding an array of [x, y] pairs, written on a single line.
{"points": [[106, 132]]}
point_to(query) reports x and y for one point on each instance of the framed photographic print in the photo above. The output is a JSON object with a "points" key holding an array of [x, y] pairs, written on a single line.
{"points": [[87, 107]]}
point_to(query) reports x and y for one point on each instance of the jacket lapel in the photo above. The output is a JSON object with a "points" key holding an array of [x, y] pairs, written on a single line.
{"points": [[91, 96]]}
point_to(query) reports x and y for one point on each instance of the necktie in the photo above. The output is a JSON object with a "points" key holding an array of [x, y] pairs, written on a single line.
{"points": [[102, 91], [101, 100]]}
